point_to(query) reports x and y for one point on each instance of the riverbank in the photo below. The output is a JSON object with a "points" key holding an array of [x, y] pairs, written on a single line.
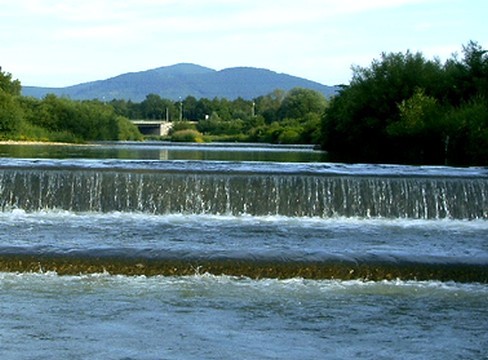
{"points": [[50, 143]]}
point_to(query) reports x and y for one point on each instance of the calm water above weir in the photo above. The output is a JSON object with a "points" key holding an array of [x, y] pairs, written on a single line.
{"points": [[167, 151], [160, 251]]}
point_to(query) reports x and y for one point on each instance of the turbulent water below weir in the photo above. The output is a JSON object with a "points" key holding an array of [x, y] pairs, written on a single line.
{"points": [[153, 254], [256, 247], [45, 316]]}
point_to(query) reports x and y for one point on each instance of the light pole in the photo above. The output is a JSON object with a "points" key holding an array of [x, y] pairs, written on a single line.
{"points": [[181, 109]]}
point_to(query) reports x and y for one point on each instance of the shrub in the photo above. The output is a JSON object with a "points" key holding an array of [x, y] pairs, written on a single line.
{"points": [[187, 136], [289, 136], [182, 125]]}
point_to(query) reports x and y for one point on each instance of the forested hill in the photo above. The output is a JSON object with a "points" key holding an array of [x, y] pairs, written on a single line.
{"points": [[182, 80]]}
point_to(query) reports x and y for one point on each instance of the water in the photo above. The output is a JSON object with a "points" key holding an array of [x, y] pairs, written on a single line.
{"points": [[112, 317], [108, 252], [166, 151]]}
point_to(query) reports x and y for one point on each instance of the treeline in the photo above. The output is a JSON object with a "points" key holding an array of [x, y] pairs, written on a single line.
{"points": [[279, 117], [404, 108], [407, 109], [58, 119]]}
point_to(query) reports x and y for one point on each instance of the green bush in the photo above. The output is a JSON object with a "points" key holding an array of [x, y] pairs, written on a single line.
{"points": [[227, 138], [182, 125], [187, 136], [127, 130], [289, 136]]}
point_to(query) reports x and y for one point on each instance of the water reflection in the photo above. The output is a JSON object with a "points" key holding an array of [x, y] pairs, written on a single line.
{"points": [[167, 151]]}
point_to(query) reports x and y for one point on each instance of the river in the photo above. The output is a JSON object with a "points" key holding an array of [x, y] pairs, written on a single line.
{"points": [[164, 251]]}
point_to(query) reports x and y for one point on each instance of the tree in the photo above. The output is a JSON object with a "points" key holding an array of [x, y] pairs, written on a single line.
{"points": [[11, 115], [154, 107], [9, 86], [59, 119], [242, 109], [311, 133], [190, 108], [355, 126], [415, 115], [468, 143], [404, 108], [421, 131], [299, 102], [268, 106], [468, 77], [476, 71]]}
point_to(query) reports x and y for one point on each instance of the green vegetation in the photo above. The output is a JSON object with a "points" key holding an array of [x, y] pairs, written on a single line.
{"points": [[58, 119], [407, 109], [279, 117], [403, 109]]}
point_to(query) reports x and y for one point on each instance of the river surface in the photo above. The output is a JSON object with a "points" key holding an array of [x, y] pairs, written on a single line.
{"points": [[163, 251]]}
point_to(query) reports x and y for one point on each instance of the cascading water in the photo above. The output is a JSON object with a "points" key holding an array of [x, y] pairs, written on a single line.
{"points": [[150, 259], [234, 193], [159, 188]]}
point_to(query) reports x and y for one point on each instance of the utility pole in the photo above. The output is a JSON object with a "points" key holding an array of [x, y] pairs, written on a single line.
{"points": [[181, 109]]}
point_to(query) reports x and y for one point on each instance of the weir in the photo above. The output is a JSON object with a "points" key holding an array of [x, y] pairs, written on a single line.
{"points": [[258, 194], [130, 262]]}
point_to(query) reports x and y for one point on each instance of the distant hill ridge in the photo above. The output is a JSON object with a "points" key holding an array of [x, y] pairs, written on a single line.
{"points": [[182, 80]]}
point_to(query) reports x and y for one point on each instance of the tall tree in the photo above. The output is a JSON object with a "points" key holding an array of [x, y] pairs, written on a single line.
{"points": [[153, 107], [299, 102], [355, 125], [268, 105], [8, 85], [404, 108], [11, 115]]}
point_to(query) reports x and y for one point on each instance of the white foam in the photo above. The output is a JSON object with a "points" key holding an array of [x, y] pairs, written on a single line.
{"points": [[238, 286], [58, 215]]}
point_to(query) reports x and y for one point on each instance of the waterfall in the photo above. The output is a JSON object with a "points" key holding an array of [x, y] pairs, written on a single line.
{"points": [[284, 194]]}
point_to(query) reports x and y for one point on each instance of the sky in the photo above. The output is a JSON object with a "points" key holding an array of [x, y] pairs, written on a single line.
{"points": [[58, 43]]}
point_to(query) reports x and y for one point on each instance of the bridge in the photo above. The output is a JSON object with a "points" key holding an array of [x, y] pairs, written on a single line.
{"points": [[153, 127]]}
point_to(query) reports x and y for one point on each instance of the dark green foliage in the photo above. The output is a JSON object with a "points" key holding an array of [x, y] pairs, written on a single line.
{"points": [[8, 85], [10, 111], [279, 117], [468, 141], [10, 115], [187, 135], [407, 109], [292, 117], [182, 125], [58, 119], [85, 121], [155, 108], [299, 102]]}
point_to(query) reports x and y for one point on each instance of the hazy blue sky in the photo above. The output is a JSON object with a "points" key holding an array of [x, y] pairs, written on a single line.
{"points": [[58, 43]]}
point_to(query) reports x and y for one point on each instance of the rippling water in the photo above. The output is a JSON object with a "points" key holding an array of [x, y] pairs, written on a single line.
{"points": [[118, 317], [134, 257]]}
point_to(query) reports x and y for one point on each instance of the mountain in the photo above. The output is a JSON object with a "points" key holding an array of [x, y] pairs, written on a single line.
{"points": [[182, 80]]}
